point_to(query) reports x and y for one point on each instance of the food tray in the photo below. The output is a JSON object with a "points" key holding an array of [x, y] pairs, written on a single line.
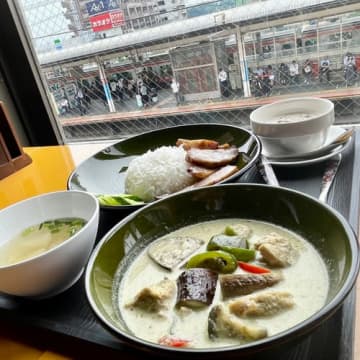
{"points": [[69, 316]]}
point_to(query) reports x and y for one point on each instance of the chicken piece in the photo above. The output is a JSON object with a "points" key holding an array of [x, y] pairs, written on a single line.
{"points": [[197, 143], [263, 304], [244, 284], [222, 324], [212, 158], [277, 250], [215, 177], [154, 297], [200, 172]]}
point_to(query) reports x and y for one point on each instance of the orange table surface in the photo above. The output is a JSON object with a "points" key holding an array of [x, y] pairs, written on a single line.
{"points": [[49, 171]]}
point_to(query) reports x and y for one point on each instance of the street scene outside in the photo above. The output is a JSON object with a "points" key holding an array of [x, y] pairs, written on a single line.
{"points": [[150, 66]]}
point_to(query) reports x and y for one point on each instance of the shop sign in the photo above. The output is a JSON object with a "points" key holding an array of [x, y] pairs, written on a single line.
{"points": [[107, 21]]}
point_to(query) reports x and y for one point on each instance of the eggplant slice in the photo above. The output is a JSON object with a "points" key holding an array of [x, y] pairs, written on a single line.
{"points": [[196, 287], [170, 252]]}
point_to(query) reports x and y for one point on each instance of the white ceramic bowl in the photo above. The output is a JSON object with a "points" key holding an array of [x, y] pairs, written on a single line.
{"points": [[293, 126], [57, 269]]}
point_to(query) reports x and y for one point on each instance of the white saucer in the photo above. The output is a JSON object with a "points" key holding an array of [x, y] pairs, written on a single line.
{"points": [[334, 132]]}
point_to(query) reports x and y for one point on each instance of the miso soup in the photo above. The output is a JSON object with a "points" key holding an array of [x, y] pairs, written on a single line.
{"points": [[38, 239]]}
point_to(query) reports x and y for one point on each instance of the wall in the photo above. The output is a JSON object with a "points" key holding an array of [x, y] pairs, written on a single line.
{"points": [[6, 99]]}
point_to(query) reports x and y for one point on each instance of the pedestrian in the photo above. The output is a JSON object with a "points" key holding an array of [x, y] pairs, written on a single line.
{"points": [[175, 87], [79, 101], [120, 88], [349, 69], [269, 80], [283, 74], [324, 70], [113, 88], [64, 106], [294, 72], [138, 84], [223, 83], [307, 70], [125, 88], [144, 95], [130, 88], [87, 98]]}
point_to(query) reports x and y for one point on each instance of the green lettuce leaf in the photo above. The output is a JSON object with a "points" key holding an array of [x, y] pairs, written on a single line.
{"points": [[119, 199]]}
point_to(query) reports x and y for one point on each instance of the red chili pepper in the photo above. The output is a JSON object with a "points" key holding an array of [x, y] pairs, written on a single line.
{"points": [[253, 268], [173, 341]]}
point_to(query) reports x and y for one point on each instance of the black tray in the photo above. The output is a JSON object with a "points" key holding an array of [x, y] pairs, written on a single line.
{"points": [[68, 318]]}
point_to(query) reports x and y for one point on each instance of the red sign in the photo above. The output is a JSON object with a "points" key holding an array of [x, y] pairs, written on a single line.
{"points": [[107, 20], [101, 22], [117, 18]]}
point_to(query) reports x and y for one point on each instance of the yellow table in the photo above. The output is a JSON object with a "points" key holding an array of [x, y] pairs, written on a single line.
{"points": [[48, 171]]}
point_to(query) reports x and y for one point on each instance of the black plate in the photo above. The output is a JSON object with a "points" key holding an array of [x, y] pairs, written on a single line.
{"points": [[104, 172]]}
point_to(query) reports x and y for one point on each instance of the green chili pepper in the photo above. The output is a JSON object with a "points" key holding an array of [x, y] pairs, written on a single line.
{"points": [[233, 245], [220, 261], [240, 253]]}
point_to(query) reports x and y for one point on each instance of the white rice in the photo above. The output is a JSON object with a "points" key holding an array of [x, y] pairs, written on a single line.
{"points": [[158, 172]]}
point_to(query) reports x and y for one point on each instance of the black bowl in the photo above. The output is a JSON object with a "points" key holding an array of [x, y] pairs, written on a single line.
{"points": [[324, 227], [104, 172]]}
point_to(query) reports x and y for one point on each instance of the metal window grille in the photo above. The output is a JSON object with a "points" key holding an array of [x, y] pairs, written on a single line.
{"points": [[117, 68]]}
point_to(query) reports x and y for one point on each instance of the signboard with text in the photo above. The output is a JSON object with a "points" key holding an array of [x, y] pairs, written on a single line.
{"points": [[97, 7], [107, 21], [117, 18]]}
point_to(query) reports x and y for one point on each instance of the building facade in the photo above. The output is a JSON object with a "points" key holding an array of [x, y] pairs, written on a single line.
{"points": [[135, 14]]}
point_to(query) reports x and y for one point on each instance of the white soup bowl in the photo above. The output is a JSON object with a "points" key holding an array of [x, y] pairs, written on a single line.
{"points": [[293, 126], [55, 270]]}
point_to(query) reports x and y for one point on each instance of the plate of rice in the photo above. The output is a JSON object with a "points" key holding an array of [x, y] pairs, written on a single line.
{"points": [[138, 170]]}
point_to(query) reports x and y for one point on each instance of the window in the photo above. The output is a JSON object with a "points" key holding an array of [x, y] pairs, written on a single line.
{"points": [[63, 45]]}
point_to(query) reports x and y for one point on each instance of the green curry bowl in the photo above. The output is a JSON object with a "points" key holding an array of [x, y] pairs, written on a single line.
{"points": [[325, 231]]}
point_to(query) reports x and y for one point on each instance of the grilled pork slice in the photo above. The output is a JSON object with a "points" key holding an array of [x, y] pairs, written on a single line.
{"points": [[212, 158], [197, 143], [216, 177], [199, 172], [277, 250], [222, 324], [263, 304], [196, 287], [244, 284], [154, 298]]}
